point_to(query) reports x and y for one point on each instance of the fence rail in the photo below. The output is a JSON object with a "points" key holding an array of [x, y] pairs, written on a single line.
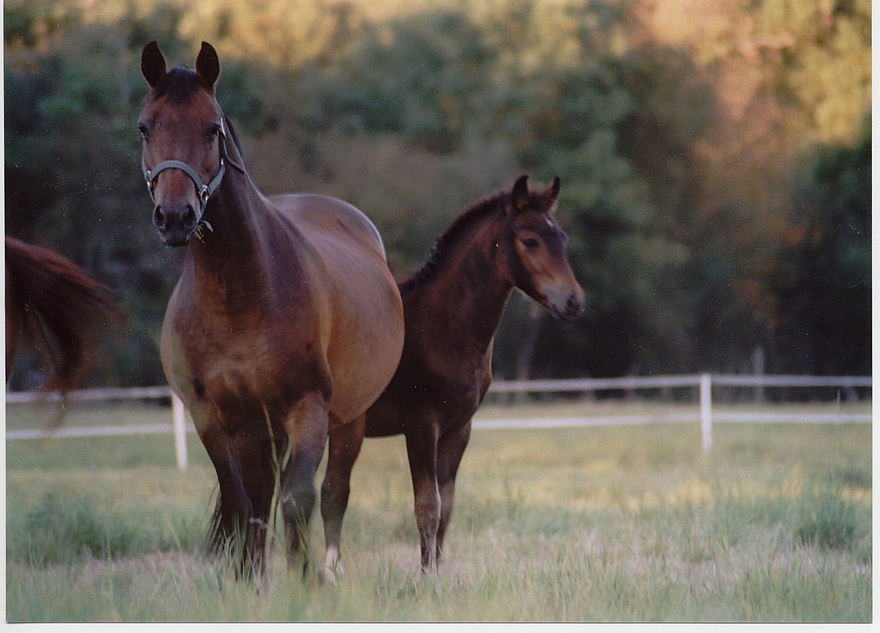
{"points": [[131, 393], [672, 382], [703, 383]]}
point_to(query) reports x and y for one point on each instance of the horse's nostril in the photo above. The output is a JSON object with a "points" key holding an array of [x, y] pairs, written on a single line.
{"points": [[189, 217], [159, 219]]}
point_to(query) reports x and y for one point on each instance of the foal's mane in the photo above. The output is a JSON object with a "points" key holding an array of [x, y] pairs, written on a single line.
{"points": [[475, 214]]}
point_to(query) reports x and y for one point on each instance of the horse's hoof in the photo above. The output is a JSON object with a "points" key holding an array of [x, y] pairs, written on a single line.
{"points": [[333, 571]]}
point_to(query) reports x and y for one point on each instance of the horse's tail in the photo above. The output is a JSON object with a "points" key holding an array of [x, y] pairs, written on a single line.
{"points": [[57, 308]]}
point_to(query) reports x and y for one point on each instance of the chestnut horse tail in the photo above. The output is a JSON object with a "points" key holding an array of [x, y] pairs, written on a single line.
{"points": [[56, 307]]}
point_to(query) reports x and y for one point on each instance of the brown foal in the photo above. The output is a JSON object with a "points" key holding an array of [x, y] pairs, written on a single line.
{"points": [[452, 307]]}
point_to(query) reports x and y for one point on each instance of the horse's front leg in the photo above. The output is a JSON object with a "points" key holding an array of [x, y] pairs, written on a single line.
{"points": [[344, 447], [421, 449], [259, 460], [306, 426], [233, 528]]}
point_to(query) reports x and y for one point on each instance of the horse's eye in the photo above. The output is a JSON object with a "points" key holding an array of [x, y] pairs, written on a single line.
{"points": [[144, 131], [214, 131], [530, 242]]}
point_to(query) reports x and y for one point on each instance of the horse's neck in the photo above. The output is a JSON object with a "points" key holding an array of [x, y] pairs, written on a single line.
{"points": [[230, 257], [469, 294]]}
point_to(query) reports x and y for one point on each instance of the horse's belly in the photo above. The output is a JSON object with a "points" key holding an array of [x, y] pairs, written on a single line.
{"points": [[360, 305], [360, 378], [365, 348]]}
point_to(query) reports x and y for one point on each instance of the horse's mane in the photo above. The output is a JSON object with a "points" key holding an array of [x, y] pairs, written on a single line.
{"points": [[56, 304], [234, 135], [460, 226]]}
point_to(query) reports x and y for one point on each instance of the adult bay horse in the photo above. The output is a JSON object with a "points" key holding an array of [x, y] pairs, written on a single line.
{"points": [[452, 307], [54, 306], [286, 322]]}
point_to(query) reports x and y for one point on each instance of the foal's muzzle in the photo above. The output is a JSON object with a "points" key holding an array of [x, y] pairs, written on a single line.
{"points": [[568, 306]]}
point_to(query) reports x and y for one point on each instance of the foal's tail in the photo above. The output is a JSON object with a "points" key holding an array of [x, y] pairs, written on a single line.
{"points": [[57, 308]]}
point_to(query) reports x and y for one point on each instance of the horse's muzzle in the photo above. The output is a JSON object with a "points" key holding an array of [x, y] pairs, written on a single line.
{"points": [[571, 308], [175, 223]]}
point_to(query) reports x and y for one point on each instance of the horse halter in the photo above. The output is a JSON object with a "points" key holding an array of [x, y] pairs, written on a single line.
{"points": [[204, 190]]}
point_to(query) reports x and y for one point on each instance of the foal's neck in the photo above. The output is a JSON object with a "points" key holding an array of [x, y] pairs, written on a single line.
{"points": [[474, 287]]}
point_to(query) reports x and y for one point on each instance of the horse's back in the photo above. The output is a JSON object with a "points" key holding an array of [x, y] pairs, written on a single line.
{"points": [[321, 217]]}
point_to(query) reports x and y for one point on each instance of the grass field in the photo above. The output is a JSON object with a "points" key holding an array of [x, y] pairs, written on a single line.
{"points": [[611, 524]]}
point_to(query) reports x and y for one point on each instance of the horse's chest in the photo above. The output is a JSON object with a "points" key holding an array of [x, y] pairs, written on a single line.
{"points": [[244, 373]]}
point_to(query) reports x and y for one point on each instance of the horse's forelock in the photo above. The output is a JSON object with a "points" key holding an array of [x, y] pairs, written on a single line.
{"points": [[178, 85]]}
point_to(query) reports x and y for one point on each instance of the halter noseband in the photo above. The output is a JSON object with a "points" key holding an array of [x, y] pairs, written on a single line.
{"points": [[204, 190]]}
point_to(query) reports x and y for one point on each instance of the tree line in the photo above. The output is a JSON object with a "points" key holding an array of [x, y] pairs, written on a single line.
{"points": [[715, 161]]}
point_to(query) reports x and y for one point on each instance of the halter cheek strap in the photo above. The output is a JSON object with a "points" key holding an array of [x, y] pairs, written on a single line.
{"points": [[204, 190]]}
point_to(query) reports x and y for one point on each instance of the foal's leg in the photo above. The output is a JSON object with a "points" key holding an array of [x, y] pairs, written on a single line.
{"points": [[306, 426], [421, 449], [234, 527], [449, 452], [344, 446]]}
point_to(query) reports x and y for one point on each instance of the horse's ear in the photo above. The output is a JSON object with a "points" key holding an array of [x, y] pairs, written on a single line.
{"points": [[152, 64], [519, 196], [553, 189], [208, 66]]}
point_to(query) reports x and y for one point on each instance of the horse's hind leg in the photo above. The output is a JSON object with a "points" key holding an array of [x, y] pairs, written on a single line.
{"points": [[450, 450], [344, 447], [306, 427], [421, 449]]}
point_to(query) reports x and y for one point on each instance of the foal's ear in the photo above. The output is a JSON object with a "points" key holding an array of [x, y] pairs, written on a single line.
{"points": [[519, 197], [152, 64], [208, 66], [553, 189]]}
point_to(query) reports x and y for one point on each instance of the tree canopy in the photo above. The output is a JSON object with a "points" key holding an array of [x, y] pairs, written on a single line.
{"points": [[715, 156]]}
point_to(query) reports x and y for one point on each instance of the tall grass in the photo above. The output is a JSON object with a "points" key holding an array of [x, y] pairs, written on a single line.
{"points": [[603, 524]]}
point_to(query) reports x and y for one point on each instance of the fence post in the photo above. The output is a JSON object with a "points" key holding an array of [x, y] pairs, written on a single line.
{"points": [[706, 409], [177, 413]]}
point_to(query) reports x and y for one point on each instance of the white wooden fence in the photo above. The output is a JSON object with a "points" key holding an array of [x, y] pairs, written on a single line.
{"points": [[701, 383]]}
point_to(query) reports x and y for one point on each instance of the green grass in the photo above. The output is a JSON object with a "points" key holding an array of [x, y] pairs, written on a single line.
{"points": [[612, 524]]}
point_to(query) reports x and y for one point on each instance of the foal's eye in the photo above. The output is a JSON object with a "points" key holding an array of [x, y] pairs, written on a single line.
{"points": [[530, 242]]}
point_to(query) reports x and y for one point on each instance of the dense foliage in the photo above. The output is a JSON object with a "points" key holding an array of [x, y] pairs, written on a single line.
{"points": [[715, 156]]}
